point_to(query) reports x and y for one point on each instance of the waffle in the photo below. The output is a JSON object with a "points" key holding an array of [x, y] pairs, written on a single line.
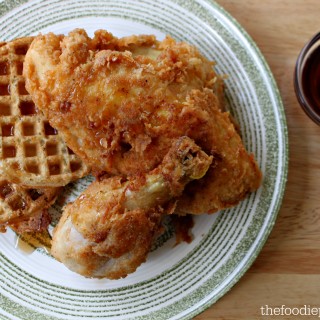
{"points": [[32, 152], [18, 204]]}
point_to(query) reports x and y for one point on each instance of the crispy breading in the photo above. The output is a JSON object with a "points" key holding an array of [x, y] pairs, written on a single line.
{"points": [[24, 209], [38, 222], [118, 110], [109, 229], [232, 176], [119, 104]]}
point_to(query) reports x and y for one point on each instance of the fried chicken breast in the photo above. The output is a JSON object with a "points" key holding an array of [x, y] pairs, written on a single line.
{"points": [[109, 229], [120, 103]]}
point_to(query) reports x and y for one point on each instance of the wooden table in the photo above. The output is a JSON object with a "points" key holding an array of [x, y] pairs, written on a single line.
{"points": [[287, 271]]}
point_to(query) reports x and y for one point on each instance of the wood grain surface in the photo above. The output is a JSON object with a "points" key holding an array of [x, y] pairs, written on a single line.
{"points": [[287, 271]]}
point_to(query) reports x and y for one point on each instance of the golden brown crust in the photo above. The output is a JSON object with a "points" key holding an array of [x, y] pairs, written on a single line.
{"points": [[108, 231], [104, 203], [38, 222], [23, 208], [120, 103], [232, 176], [122, 251], [129, 108]]}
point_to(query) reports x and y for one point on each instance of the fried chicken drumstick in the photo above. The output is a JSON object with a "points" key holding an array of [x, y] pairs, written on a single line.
{"points": [[120, 104], [109, 229]]}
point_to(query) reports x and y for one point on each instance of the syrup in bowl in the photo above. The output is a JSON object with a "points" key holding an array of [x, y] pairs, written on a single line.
{"points": [[307, 78]]}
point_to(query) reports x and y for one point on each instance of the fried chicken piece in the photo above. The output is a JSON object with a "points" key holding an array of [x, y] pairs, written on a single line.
{"points": [[120, 103], [109, 229], [38, 222], [234, 172], [117, 106], [24, 209]]}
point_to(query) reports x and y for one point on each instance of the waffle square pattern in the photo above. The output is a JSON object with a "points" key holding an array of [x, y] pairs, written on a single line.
{"points": [[32, 153]]}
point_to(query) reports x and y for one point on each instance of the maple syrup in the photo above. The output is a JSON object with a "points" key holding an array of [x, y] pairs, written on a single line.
{"points": [[307, 78], [29, 242], [27, 108], [48, 130], [311, 79], [3, 68]]}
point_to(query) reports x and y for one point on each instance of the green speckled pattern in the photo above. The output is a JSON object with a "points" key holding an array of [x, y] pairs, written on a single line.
{"points": [[177, 282]]}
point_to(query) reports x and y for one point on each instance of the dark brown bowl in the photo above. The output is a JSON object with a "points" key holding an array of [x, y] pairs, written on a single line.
{"points": [[309, 105]]}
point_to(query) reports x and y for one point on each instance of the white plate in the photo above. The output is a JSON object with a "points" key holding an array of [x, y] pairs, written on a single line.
{"points": [[176, 282]]}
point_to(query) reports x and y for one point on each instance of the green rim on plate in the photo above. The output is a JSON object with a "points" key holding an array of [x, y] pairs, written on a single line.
{"points": [[176, 282]]}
